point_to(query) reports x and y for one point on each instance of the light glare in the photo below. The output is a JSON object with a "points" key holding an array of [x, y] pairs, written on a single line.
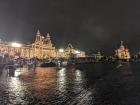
{"points": [[61, 50], [14, 44], [77, 52]]}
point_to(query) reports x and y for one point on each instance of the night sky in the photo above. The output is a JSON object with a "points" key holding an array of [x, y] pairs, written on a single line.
{"points": [[90, 25]]}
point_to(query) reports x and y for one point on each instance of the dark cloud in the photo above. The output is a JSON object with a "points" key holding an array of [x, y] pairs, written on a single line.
{"points": [[88, 24]]}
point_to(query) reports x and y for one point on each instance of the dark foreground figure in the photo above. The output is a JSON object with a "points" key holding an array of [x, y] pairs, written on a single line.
{"points": [[91, 84]]}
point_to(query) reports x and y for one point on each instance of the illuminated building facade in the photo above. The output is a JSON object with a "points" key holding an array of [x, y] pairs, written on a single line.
{"points": [[41, 48], [122, 52]]}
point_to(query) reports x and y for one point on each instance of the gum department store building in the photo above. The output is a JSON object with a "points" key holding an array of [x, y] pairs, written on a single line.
{"points": [[41, 48]]}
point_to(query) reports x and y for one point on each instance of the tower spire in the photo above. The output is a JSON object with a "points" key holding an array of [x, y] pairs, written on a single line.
{"points": [[38, 36], [121, 43], [48, 36], [38, 33]]}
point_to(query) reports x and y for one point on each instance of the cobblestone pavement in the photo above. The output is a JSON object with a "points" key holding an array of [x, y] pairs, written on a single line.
{"points": [[98, 84]]}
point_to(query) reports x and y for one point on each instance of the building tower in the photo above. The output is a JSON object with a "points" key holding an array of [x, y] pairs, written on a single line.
{"points": [[38, 37], [122, 46], [48, 41], [122, 52]]}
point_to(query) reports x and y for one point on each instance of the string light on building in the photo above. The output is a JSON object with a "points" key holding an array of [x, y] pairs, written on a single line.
{"points": [[41, 48], [123, 52]]}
